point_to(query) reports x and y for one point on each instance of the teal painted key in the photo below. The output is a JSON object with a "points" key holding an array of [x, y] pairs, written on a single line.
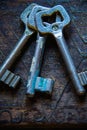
{"points": [[36, 83]]}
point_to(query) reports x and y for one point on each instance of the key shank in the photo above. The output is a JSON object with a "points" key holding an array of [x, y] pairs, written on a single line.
{"points": [[15, 53], [35, 66], [69, 63]]}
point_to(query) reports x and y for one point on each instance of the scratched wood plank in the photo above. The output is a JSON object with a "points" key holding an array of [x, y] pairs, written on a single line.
{"points": [[63, 108]]}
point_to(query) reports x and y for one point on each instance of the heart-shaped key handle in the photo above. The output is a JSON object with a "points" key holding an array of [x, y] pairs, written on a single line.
{"points": [[54, 26], [56, 29]]}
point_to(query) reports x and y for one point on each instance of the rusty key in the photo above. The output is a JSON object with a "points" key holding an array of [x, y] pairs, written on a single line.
{"points": [[36, 83], [56, 30], [7, 76]]}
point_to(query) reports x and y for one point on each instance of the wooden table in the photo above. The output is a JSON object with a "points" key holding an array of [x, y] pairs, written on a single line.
{"points": [[64, 108]]}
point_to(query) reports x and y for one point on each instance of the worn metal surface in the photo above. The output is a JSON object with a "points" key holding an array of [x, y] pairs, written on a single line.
{"points": [[56, 29], [33, 83], [7, 77], [67, 110]]}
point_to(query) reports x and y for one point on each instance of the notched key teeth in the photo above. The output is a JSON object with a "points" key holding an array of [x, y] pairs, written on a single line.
{"points": [[44, 85], [15, 81], [83, 78], [10, 79]]}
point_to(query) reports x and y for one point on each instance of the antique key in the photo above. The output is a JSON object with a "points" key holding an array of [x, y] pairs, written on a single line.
{"points": [[36, 83], [7, 76], [56, 29]]}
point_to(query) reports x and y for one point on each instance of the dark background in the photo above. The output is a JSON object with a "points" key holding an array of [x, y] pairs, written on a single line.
{"points": [[64, 108]]}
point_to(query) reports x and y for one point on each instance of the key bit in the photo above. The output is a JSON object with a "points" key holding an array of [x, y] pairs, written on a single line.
{"points": [[44, 85], [56, 29], [13, 80], [83, 78], [10, 79]]}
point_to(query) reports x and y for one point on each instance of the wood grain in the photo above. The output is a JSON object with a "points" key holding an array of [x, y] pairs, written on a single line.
{"points": [[64, 108]]}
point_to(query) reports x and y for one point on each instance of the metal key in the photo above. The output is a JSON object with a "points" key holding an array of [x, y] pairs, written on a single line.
{"points": [[36, 83], [5, 75], [56, 29]]}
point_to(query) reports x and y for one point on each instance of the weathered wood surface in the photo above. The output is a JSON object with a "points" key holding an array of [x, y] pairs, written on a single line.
{"points": [[63, 108]]}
